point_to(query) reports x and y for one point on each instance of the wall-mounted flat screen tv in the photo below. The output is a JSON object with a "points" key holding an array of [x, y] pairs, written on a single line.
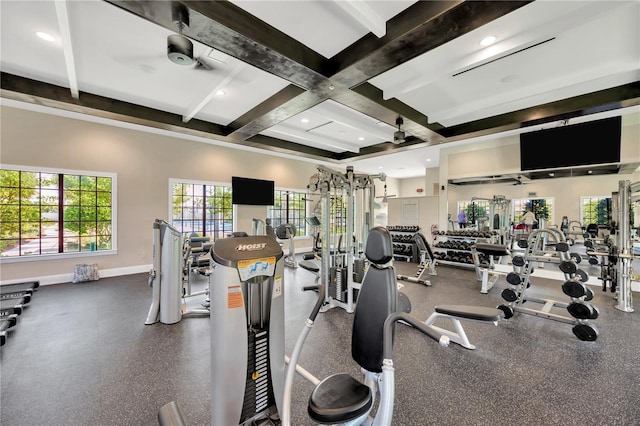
{"points": [[253, 192], [583, 144]]}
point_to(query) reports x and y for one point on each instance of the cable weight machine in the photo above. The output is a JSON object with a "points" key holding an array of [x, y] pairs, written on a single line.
{"points": [[616, 270], [346, 210]]}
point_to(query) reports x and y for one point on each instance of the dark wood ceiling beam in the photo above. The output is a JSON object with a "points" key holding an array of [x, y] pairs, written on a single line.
{"points": [[603, 100], [417, 30], [227, 28]]}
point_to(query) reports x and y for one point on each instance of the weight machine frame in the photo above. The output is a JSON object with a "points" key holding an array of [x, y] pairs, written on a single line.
{"points": [[359, 195]]}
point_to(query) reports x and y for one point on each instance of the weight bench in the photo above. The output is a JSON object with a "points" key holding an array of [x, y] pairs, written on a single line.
{"points": [[482, 268], [461, 312]]}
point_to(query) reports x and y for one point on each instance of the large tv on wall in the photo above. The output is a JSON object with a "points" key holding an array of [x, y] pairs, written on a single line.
{"points": [[593, 142], [253, 192]]}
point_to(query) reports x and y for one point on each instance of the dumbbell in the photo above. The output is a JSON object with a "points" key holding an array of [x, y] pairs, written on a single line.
{"points": [[583, 311], [576, 289]]}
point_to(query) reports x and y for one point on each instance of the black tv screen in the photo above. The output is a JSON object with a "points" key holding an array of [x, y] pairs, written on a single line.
{"points": [[253, 192], [593, 142]]}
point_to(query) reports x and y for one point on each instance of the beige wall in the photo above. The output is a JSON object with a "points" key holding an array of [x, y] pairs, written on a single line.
{"points": [[144, 163]]}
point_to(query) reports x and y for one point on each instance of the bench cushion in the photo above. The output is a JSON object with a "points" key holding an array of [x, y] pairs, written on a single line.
{"points": [[477, 313]]}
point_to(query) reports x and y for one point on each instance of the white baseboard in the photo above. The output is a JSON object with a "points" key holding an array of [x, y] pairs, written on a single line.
{"points": [[67, 278]]}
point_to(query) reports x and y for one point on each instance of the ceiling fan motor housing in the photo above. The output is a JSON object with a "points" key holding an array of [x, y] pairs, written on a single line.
{"points": [[180, 49], [398, 137]]}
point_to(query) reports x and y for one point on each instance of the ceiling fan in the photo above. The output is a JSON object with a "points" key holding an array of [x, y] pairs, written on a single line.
{"points": [[385, 197], [519, 181], [399, 136], [179, 47]]}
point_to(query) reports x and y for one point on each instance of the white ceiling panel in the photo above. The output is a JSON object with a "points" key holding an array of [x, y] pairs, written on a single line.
{"points": [[325, 26], [545, 51]]}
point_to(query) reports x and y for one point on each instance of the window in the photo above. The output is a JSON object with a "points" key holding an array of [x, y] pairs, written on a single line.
{"points": [[289, 207], [202, 208], [474, 210], [542, 208], [595, 210], [46, 212]]}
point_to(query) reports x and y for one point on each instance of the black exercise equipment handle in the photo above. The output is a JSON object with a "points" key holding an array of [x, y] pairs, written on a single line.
{"points": [[389, 324], [319, 302]]}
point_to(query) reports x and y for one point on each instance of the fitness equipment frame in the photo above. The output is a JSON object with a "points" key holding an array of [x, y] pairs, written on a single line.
{"points": [[621, 254], [166, 276], [286, 232], [337, 267], [582, 312], [340, 398], [455, 313], [485, 272], [499, 213], [427, 261]]}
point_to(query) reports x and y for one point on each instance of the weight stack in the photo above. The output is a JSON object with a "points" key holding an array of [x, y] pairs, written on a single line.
{"points": [[358, 270], [338, 283]]}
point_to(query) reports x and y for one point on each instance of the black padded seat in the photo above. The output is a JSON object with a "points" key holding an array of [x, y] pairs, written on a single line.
{"points": [[477, 313], [339, 398], [492, 249]]}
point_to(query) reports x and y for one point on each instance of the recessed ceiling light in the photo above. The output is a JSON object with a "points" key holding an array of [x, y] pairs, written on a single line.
{"points": [[428, 159], [590, 171], [305, 120], [360, 138], [552, 174], [220, 93], [45, 36], [488, 41]]}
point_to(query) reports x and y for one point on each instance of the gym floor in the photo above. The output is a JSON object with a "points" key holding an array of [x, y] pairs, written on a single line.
{"points": [[82, 355]]}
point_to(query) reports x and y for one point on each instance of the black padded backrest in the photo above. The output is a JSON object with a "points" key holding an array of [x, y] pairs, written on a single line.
{"points": [[377, 299], [379, 249]]}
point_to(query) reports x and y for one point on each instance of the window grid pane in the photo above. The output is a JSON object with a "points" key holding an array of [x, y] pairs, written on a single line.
{"points": [[30, 212], [202, 209], [289, 207]]}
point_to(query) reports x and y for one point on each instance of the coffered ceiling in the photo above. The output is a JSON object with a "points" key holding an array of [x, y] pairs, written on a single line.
{"points": [[327, 80]]}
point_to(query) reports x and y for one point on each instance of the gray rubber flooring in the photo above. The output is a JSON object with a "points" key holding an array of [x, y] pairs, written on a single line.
{"points": [[82, 355]]}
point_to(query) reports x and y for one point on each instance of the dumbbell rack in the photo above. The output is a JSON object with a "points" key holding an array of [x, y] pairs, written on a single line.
{"points": [[581, 312], [404, 246], [453, 248]]}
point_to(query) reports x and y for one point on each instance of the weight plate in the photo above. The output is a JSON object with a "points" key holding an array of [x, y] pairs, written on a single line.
{"points": [[568, 267], [589, 294], [585, 332], [513, 278], [588, 244], [580, 310], [563, 247], [574, 288], [576, 257], [517, 261], [582, 275], [509, 295], [523, 243], [508, 312], [593, 260]]}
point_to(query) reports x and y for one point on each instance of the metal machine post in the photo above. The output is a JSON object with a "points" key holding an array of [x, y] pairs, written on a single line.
{"points": [[166, 276]]}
